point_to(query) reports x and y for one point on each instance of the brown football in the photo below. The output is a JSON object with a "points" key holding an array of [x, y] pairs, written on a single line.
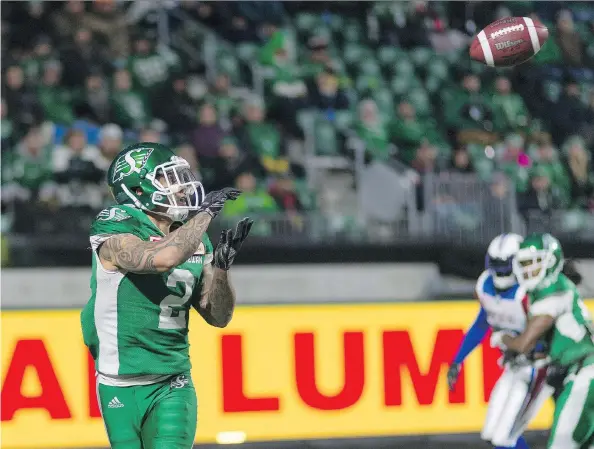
{"points": [[509, 41]]}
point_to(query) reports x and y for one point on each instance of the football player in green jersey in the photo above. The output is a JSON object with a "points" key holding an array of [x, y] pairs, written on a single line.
{"points": [[559, 316], [145, 277]]}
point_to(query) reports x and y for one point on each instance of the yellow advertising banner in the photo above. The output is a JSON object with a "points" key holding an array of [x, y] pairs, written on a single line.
{"points": [[276, 372]]}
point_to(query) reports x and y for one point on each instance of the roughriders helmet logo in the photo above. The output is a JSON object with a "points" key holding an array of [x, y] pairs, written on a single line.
{"points": [[180, 381], [131, 162]]}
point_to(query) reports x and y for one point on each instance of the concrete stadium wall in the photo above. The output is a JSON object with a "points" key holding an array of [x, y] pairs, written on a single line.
{"points": [[266, 284], [40, 288]]}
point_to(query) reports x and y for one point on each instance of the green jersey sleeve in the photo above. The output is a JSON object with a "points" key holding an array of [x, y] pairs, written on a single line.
{"points": [[112, 221], [553, 300]]}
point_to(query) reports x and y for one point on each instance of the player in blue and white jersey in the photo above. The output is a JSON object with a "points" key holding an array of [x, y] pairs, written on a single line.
{"points": [[521, 389]]}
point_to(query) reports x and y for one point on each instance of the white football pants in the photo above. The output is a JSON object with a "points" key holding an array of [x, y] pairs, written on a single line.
{"points": [[516, 399]]}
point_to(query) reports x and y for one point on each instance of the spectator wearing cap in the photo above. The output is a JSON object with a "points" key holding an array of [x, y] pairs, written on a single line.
{"points": [[27, 169], [77, 170], [581, 174], [514, 161], [326, 94], [372, 129], [262, 138], [319, 58], [233, 161], [408, 131], [206, 138], [21, 101], [567, 117], [222, 98], [547, 158], [175, 107], [94, 101], [150, 69], [55, 99], [509, 110], [108, 20], [569, 40], [129, 107], [82, 58], [43, 52], [68, 18], [110, 144], [539, 200], [468, 111]]}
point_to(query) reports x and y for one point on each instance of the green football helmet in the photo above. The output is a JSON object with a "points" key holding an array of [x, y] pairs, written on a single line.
{"points": [[539, 261], [151, 177]]}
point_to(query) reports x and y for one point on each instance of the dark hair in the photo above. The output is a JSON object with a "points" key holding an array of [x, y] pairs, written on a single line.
{"points": [[570, 270]]}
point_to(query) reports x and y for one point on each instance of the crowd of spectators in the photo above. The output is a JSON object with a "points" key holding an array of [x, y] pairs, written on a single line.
{"points": [[81, 79]]}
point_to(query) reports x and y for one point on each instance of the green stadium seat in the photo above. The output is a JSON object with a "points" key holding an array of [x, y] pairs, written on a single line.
{"points": [[401, 84], [438, 67], [421, 56], [228, 63], [420, 100], [369, 66], [344, 119], [353, 53], [306, 22], [248, 51], [365, 83], [352, 32], [384, 98], [326, 138], [404, 67]]}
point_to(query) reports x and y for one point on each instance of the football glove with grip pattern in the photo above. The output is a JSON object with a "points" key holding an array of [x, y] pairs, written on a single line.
{"points": [[230, 244], [214, 201]]}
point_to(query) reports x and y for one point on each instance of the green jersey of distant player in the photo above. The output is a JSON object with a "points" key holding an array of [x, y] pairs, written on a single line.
{"points": [[558, 314], [571, 337], [137, 324]]}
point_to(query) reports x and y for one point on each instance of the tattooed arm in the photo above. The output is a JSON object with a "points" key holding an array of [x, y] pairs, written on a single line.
{"points": [[128, 252], [217, 298]]}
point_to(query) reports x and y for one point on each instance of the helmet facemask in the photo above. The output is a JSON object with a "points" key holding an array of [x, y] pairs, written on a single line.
{"points": [[535, 268], [502, 272], [176, 189]]}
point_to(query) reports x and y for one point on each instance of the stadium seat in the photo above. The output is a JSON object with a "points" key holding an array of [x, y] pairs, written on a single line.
{"points": [[421, 56], [384, 98], [420, 100], [344, 119], [326, 138], [248, 51], [388, 55], [401, 84]]}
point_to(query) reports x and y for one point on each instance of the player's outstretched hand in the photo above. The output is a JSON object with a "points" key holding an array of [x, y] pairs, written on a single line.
{"points": [[230, 244], [453, 373], [214, 201]]}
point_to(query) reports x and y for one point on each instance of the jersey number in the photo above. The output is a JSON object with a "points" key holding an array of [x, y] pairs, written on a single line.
{"points": [[173, 311]]}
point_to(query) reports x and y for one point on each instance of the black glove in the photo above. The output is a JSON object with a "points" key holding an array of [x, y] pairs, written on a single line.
{"points": [[214, 201], [230, 243], [453, 373]]}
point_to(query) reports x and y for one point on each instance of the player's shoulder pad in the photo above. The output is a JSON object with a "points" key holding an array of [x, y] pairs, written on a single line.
{"points": [[118, 219], [560, 286]]}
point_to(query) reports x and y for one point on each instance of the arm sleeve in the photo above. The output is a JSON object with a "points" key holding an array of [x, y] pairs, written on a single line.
{"points": [[473, 337], [208, 257]]}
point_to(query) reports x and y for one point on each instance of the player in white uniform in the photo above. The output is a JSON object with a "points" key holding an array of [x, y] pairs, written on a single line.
{"points": [[521, 389]]}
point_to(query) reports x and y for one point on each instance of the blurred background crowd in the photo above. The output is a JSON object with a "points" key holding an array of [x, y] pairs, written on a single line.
{"points": [[355, 120]]}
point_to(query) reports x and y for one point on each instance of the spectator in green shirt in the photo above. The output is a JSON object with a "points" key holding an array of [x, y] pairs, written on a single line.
{"points": [[34, 64], [150, 68], [263, 138], [28, 168], [514, 161], [56, 101], [129, 107], [407, 131], [372, 129], [547, 159], [254, 199], [509, 110], [222, 99], [581, 174]]}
